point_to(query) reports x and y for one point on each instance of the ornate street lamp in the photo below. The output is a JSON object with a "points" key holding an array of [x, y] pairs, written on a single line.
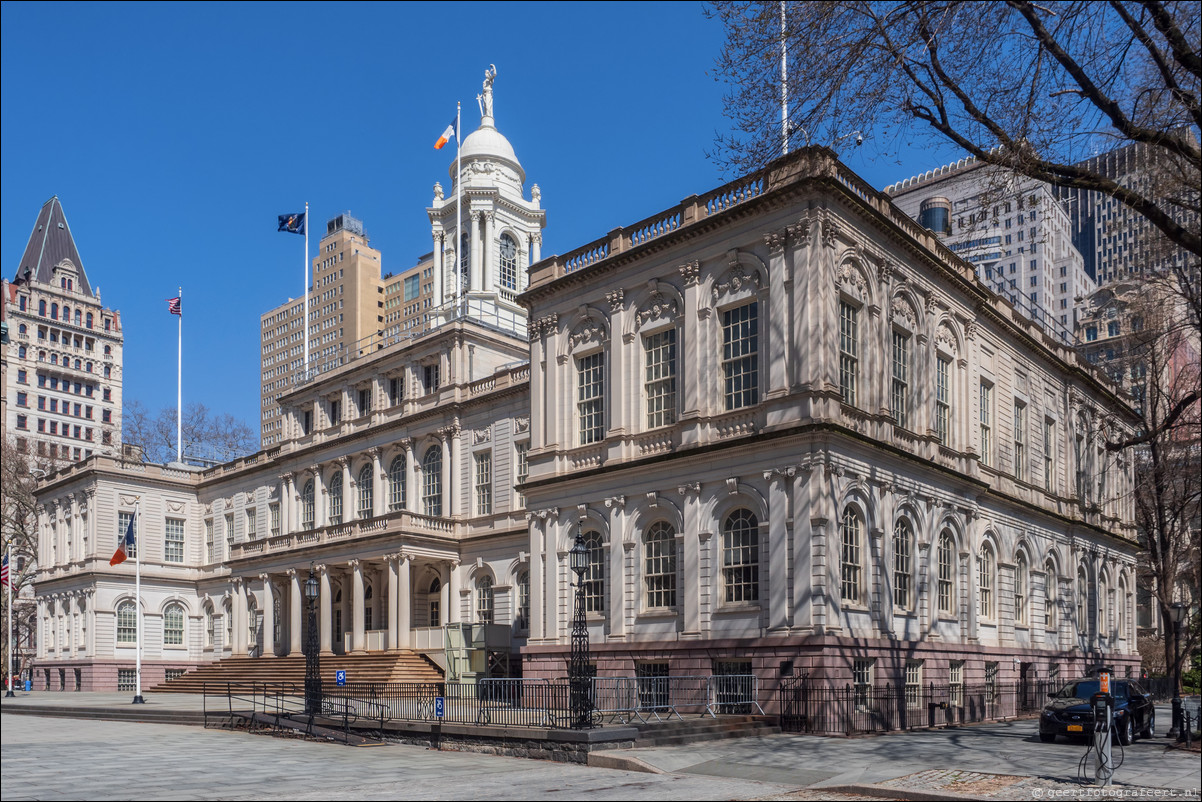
{"points": [[578, 668], [1177, 611], [312, 650]]}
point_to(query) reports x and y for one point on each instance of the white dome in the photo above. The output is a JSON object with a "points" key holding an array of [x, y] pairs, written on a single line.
{"points": [[486, 143]]}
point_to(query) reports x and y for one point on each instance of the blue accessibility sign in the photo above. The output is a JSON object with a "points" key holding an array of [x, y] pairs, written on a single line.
{"points": [[340, 677], [440, 706]]}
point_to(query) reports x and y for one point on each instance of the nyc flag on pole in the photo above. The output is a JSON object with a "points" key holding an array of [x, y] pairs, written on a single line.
{"points": [[446, 135], [173, 306], [4, 572], [293, 223], [125, 545]]}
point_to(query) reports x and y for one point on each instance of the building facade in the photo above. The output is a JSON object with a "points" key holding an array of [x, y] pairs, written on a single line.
{"points": [[790, 424], [1012, 229]]}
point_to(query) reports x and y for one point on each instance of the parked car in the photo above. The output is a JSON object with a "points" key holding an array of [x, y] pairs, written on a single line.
{"points": [[1069, 712]]}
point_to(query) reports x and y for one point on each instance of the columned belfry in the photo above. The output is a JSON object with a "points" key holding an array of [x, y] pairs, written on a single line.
{"points": [[486, 233]]}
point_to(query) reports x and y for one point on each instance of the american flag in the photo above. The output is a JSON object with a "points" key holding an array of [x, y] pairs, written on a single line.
{"points": [[173, 306], [4, 572]]}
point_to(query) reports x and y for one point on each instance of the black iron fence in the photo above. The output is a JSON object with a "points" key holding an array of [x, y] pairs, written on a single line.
{"points": [[813, 707]]}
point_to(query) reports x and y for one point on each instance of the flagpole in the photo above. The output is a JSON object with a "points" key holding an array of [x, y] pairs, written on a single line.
{"points": [[179, 385], [8, 674], [459, 290], [306, 290], [138, 595]]}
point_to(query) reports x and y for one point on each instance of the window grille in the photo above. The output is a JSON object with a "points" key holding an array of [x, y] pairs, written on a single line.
{"points": [[851, 531]]}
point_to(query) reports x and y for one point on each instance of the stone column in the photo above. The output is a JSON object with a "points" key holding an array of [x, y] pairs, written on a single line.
{"points": [[358, 638], [690, 596], [326, 616], [439, 265], [536, 523], [393, 593], [616, 603], [486, 254], [285, 505], [536, 247], [268, 616], [691, 349], [444, 437], [319, 498], [404, 605], [241, 625], [477, 261], [456, 604], [411, 494], [350, 500], [776, 333], [827, 613], [379, 491], [778, 549], [296, 608]]}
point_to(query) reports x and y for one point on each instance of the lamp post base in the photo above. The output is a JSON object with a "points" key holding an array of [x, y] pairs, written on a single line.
{"points": [[138, 700], [1175, 728]]}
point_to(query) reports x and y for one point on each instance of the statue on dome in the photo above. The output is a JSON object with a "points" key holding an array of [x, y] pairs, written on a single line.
{"points": [[485, 99]]}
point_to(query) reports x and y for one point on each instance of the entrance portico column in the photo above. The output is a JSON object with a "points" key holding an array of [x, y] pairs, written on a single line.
{"points": [[404, 623], [454, 601], [326, 614], [296, 600], [392, 601], [241, 627], [358, 639], [268, 616], [379, 489]]}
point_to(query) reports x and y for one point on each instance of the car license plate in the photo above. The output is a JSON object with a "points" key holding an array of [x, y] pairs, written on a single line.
{"points": [[1074, 728]]}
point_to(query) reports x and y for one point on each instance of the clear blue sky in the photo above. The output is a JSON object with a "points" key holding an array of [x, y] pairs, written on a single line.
{"points": [[174, 133]]}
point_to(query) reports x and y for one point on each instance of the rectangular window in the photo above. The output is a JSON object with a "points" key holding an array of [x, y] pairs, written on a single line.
{"points": [[430, 378], [986, 424], [590, 397], [955, 681], [913, 684], [849, 352], [210, 552], [862, 679], [273, 511], [252, 523], [335, 412], [991, 689], [364, 401], [659, 385], [943, 399], [740, 356], [899, 399], [1049, 455], [1020, 440], [229, 534], [522, 470], [123, 522], [173, 540], [127, 678], [394, 391], [484, 483]]}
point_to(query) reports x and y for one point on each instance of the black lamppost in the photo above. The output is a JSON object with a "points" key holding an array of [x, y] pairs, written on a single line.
{"points": [[1177, 611], [312, 651], [578, 667]]}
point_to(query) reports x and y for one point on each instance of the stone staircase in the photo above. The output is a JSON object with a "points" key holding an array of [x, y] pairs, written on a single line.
{"points": [[401, 666], [692, 730]]}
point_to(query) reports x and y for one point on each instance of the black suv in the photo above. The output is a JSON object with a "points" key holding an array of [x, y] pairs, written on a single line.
{"points": [[1069, 712]]}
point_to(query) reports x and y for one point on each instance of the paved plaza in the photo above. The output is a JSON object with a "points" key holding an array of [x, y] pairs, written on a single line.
{"points": [[63, 758]]}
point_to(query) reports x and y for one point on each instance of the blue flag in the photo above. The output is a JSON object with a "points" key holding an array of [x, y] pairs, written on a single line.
{"points": [[293, 223]]}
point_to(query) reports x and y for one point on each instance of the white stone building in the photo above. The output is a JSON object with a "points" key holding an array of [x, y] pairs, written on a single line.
{"points": [[792, 424]]}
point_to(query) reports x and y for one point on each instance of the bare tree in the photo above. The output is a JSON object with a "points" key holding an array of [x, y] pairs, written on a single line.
{"points": [[18, 527], [1034, 88], [205, 435]]}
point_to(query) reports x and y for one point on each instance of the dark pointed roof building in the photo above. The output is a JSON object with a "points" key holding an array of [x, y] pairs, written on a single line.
{"points": [[62, 364]]}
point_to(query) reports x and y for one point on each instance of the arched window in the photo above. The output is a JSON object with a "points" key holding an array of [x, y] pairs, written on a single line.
{"points": [[1021, 584], [659, 565], [210, 626], [903, 564], [741, 558], [173, 625], [484, 600], [434, 602], [465, 262], [432, 481], [42, 308], [1120, 610], [78, 317], [851, 533], [227, 613], [67, 314], [335, 496], [594, 577], [307, 506], [366, 492], [1103, 604], [523, 620], [54, 311], [986, 570], [23, 329], [1050, 584], [368, 595], [90, 319], [21, 352], [396, 484], [946, 568], [509, 262], [943, 399], [127, 622], [1082, 602]]}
